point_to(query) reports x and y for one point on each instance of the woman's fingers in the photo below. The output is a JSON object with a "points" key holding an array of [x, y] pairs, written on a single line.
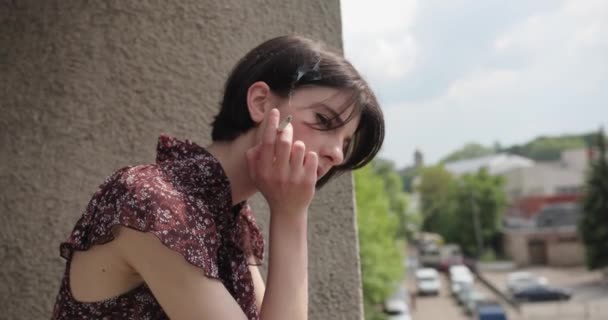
{"points": [[282, 170], [298, 150], [283, 150], [311, 163], [269, 136], [277, 160]]}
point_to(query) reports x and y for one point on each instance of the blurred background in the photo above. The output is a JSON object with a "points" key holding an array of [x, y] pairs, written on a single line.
{"points": [[493, 170]]}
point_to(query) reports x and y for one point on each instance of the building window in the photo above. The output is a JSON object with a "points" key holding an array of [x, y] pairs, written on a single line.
{"points": [[568, 189]]}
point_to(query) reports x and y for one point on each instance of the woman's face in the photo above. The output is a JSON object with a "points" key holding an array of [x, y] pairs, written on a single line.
{"points": [[314, 110]]}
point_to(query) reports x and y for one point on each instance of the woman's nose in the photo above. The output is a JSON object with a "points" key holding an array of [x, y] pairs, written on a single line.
{"points": [[334, 153]]}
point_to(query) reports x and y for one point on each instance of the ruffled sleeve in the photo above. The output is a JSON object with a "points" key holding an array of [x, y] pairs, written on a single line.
{"points": [[139, 198]]}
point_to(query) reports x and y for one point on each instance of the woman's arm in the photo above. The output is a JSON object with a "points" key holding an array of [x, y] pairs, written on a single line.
{"points": [[286, 295], [182, 290], [285, 173], [259, 285]]}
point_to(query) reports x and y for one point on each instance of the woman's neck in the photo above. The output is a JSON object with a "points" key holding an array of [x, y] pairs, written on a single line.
{"points": [[231, 156]]}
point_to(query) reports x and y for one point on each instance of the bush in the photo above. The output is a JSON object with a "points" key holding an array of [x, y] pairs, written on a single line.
{"points": [[381, 257]]}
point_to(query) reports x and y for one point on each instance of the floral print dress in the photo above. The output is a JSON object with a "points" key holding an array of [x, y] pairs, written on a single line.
{"points": [[185, 200]]}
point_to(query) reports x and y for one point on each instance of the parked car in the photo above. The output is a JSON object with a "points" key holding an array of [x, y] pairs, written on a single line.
{"points": [[463, 293], [491, 311], [523, 279], [458, 269], [475, 299], [471, 294], [541, 293], [427, 281], [396, 307], [429, 256], [460, 280], [449, 255]]}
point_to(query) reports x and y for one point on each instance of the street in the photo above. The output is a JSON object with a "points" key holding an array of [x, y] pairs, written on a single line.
{"points": [[437, 307], [589, 301]]}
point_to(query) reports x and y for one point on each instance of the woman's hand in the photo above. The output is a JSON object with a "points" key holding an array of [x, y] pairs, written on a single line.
{"points": [[282, 170]]}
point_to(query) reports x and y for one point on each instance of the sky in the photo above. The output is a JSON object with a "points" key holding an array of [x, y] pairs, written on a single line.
{"points": [[453, 72]]}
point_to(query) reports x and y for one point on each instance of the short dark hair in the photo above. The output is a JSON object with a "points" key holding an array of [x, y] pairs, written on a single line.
{"points": [[286, 63]]}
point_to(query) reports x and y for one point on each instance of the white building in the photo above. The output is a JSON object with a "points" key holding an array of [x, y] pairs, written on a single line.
{"points": [[496, 164], [526, 177], [565, 176]]}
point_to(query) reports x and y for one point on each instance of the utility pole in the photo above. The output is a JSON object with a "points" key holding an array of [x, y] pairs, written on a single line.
{"points": [[476, 225]]}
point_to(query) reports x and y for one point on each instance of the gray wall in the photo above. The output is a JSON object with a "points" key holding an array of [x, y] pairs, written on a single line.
{"points": [[87, 86]]}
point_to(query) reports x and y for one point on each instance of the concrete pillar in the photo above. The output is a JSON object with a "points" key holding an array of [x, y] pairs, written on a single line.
{"points": [[86, 87]]}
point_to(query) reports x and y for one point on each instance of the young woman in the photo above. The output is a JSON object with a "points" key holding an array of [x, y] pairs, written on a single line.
{"points": [[176, 239]]}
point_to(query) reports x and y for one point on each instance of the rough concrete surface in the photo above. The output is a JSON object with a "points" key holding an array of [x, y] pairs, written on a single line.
{"points": [[86, 87]]}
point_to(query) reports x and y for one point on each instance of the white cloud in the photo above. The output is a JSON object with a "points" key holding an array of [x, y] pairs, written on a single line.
{"points": [[542, 72], [574, 27], [558, 48], [485, 84], [363, 18], [377, 38]]}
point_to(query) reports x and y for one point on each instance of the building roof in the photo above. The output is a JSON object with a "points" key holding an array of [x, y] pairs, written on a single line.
{"points": [[495, 164]]}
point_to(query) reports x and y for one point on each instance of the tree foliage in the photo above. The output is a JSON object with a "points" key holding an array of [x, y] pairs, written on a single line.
{"points": [[549, 148], [398, 201], [408, 175], [381, 257], [434, 190], [450, 203], [468, 151], [543, 148], [593, 226], [478, 194]]}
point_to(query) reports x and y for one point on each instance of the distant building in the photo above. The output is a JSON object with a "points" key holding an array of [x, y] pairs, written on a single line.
{"points": [[540, 225], [412, 180], [495, 164], [418, 159], [559, 246], [543, 230], [565, 176]]}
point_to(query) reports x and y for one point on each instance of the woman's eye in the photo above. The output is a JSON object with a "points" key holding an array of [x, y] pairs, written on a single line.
{"points": [[323, 120]]}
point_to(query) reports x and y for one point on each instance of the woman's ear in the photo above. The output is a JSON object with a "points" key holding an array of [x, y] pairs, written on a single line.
{"points": [[258, 100]]}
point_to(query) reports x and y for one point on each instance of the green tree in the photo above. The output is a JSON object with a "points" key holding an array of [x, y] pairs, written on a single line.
{"points": [[469, 151], [478, 196], [407, 178], [543, 148], [434, 191], [593, 226], [381, 258], [546, 148], [393, 186], [451, 204]]}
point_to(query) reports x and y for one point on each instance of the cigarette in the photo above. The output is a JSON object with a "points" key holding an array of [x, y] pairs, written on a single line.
{"points": [[284, 123]]}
